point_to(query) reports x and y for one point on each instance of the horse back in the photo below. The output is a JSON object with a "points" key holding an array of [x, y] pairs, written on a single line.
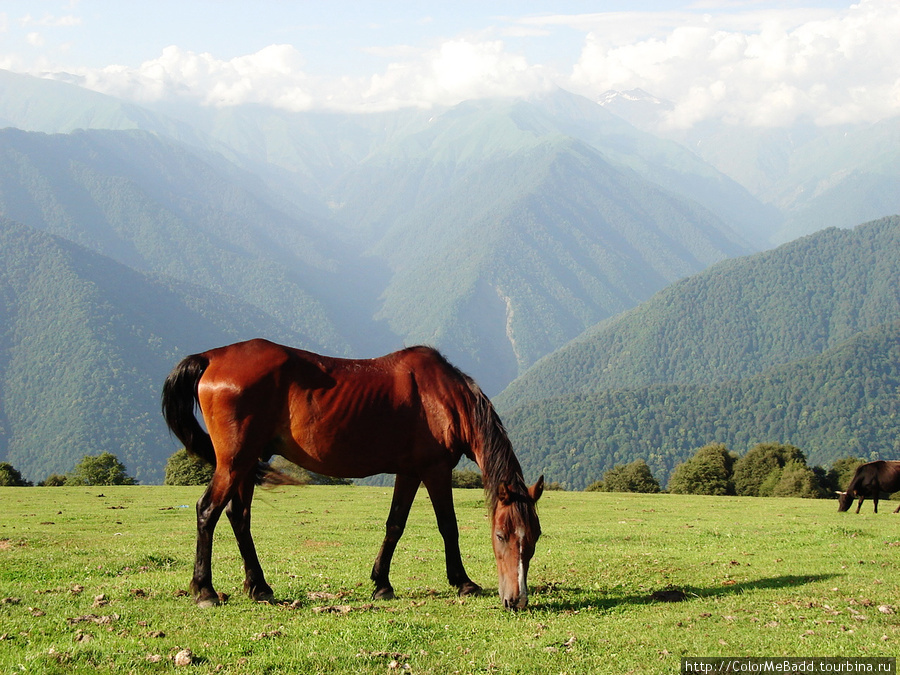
{"points": [[875, 477], [339, 417]]}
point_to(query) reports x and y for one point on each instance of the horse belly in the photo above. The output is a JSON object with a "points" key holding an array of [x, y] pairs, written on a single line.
{"points": [[351, 443]]}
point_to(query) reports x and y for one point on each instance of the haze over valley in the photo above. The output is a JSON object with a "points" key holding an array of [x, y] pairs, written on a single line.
{"points": [[591, 264]]}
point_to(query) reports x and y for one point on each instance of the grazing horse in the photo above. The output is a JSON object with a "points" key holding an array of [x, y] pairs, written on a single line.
{"points": [[870, 480], [409, 413]]}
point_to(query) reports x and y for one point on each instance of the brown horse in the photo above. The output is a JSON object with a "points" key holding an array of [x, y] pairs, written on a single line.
{"points": [[409, 413]]}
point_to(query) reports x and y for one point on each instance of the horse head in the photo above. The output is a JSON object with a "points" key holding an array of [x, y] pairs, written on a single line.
{"points": [[515, 531], [845, 499]]}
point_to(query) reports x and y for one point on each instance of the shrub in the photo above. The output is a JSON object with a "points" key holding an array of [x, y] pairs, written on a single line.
{"points": [[183, 468], [103, 469], [467, 478], [797, 480], [10, 477], [753, 473], [708, 472], [633, 477]]}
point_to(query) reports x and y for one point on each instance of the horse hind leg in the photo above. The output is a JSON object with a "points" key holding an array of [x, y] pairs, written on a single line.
{"points": [[440, 489], [238, 512], [209, 509], [405, 488]]}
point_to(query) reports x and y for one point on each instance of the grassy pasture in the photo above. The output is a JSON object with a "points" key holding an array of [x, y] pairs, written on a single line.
{"points": [[93, 579]]}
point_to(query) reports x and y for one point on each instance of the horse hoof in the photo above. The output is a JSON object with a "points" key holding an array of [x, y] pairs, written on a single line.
{"points": [[206, 603], [470, 588], [384, 594], [263, 597]]}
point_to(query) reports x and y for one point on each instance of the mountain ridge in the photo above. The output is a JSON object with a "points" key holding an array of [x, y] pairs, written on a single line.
{"points": [[836, 404], [734, 319], [86, 342]]}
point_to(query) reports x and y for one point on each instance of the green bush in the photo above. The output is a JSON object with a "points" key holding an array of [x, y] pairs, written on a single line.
{"points": [[103, 469], [797, 480], [183, 468], [708, 472], [757, 472], [10, 477], [467, 478], [633, 477]]}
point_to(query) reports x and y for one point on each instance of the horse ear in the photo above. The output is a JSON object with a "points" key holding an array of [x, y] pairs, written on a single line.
{"points": [[537, 489], [504, 494]]}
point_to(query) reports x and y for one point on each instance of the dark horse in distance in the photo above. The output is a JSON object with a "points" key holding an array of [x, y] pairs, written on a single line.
{"points": [[409, 413], [871, 480]]}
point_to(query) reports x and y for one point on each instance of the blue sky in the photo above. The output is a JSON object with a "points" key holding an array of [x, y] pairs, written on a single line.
{"points": [[753, 61]]}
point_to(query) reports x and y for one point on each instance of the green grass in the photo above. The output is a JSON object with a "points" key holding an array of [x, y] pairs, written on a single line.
{"points": [[758, 577]]}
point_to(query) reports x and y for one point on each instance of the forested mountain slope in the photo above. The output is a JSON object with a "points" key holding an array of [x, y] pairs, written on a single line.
{"points": [[85, 344], [506, 236], [495, 230], [519, 254], [154, 206], [735, 319], [840, 403], [845, 176]]}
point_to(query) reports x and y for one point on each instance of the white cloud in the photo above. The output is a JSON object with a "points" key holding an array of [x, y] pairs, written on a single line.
{"points": [[458, 70], [49, 20], [763, 66], [766, 68], [453, 71], [272, 76]]}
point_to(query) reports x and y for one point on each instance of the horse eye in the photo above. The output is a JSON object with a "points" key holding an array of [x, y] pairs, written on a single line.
{"points": [[501, 536]]}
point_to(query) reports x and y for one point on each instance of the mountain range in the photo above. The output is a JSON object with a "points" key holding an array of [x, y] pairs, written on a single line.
{"points": [[736, 319], [814, 176], [496, 230], [383, 230], [796, 345]]}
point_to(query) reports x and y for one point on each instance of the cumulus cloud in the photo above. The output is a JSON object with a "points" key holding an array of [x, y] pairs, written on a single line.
{"points": [[456, 70], [766, 69], [272, 76], [453, 71]]}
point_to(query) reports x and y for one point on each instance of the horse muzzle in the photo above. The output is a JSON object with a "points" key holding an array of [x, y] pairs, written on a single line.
{"points": [[515, 603]]}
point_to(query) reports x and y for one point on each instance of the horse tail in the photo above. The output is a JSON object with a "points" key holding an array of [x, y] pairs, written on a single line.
{"points": [[179, 397]]}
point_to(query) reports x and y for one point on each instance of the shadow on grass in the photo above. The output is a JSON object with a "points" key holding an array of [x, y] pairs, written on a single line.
{"points": [[543, 598]]}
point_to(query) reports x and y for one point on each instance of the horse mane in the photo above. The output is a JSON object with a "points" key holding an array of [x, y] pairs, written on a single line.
{"points": [[494, 454]]}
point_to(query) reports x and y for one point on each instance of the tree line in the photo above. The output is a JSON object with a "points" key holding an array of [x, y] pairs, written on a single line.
{"points": [[841, 402], [102, 469], [767, 470]]}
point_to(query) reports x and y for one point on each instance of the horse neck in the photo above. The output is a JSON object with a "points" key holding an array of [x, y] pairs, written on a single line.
{"points": [[494, 455]]}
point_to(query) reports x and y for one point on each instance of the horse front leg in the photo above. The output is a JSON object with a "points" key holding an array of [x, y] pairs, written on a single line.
{"points": [[405, 488], [440, 489], [238, 512]]}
